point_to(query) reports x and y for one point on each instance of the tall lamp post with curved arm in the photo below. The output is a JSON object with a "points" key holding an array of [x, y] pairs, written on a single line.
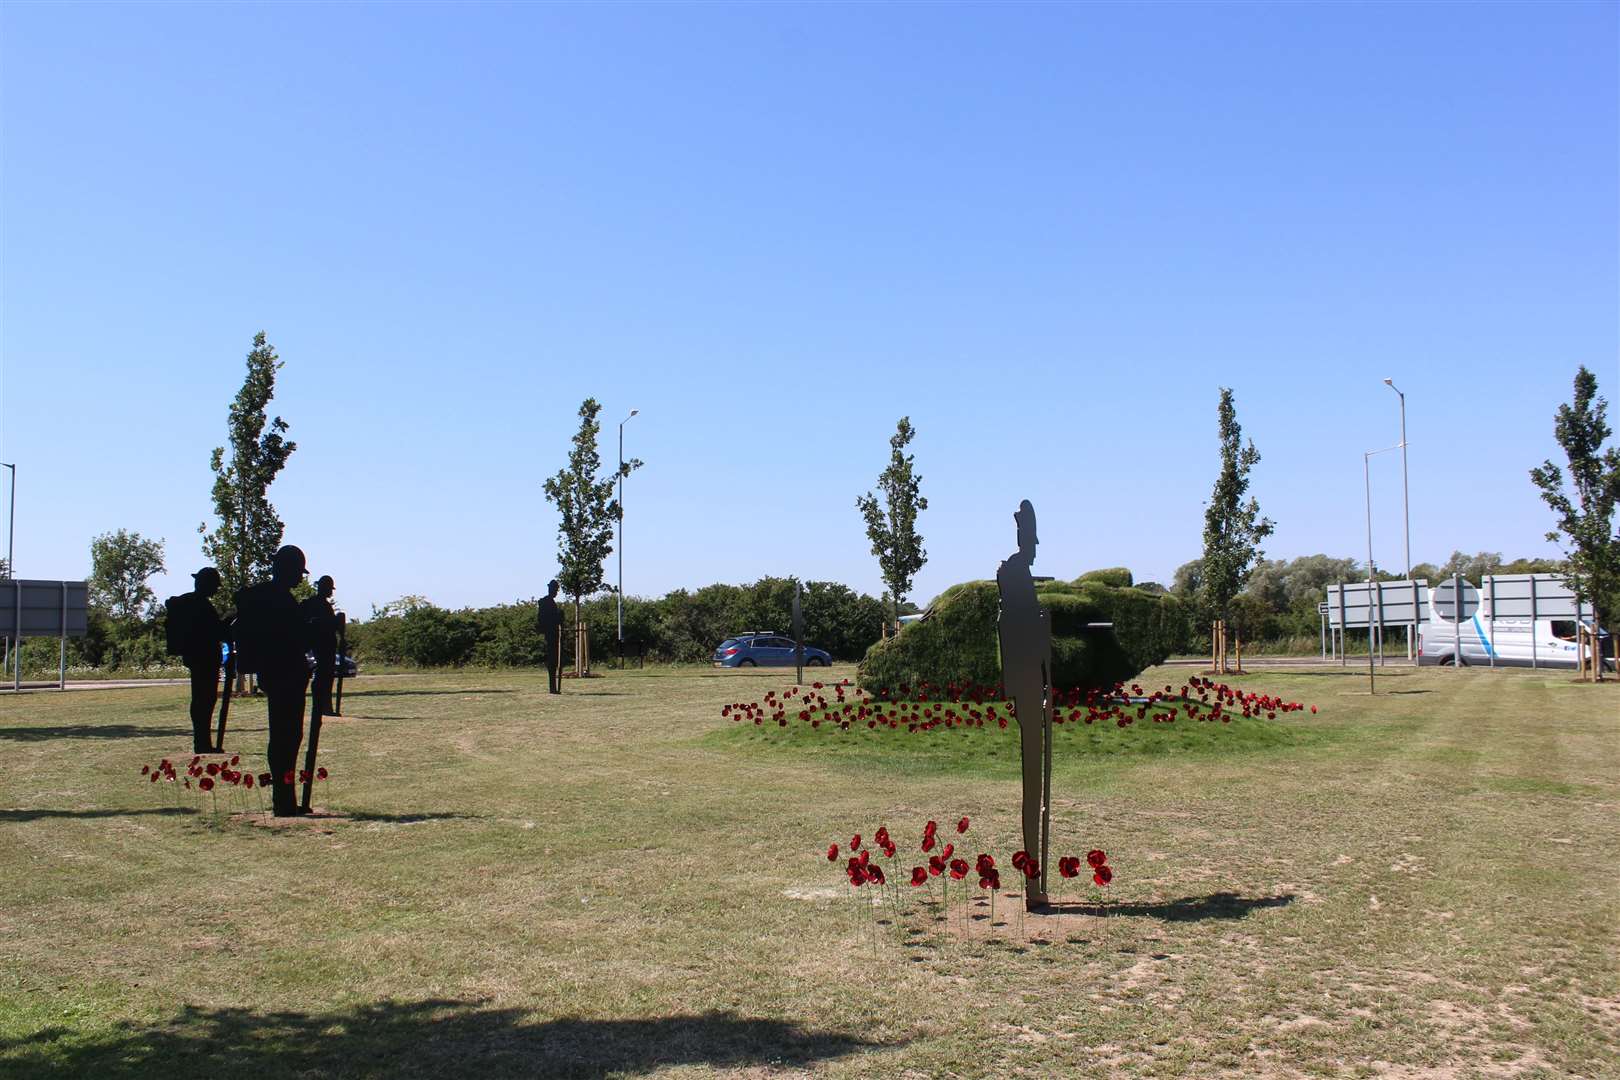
{"points": [[11, 564], [620, 545], [1406, 503]]}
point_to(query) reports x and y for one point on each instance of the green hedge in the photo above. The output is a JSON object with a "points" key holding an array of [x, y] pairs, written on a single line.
{"points": [[682, 626], [957, 642], [1117, 576]]}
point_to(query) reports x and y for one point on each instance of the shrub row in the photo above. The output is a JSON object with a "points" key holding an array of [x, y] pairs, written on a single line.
{"points": [[680, 627], [958, 640]]}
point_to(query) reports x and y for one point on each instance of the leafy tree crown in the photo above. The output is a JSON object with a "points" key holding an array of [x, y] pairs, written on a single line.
{"points": [[1584, 511], [248, 530], [121, 564], [1233, 528], [891, 523], [587, 508]]}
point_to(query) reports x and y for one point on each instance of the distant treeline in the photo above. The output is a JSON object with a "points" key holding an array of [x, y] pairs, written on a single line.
{"points": [[1276, 611], [681, 627], [1279, 603]]}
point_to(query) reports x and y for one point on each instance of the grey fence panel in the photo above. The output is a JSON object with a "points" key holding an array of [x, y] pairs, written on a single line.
{"points": [[1395, 603], [45, 608], [1534, 596]]}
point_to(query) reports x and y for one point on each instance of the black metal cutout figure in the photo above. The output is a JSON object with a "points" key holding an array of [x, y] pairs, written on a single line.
{"points": [[195, 632], [550, 620], [273, 636], [1026, 665], [798, 632], [323, 622]]}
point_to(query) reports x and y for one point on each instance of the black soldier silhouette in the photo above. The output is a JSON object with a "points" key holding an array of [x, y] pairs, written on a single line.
{"points": [[323, 622], [1026, 666], [273, 635], [195, 633], [550, 620]]}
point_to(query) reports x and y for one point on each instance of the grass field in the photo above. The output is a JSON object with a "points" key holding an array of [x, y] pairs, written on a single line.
{"points": [[618, 881]]}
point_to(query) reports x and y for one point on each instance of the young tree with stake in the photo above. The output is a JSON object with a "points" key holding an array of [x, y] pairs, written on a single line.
{"points": [[1233, 528], [892, 523], [588, 510]]}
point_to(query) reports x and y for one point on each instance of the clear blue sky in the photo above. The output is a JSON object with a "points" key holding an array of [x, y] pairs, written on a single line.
{"points": [[1048, 234]]}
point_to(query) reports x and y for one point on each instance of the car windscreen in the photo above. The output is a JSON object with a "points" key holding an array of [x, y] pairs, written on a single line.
{"points": [[728, 643]]}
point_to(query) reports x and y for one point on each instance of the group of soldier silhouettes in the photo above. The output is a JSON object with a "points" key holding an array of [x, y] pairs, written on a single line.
{"points": [[271, 636]]}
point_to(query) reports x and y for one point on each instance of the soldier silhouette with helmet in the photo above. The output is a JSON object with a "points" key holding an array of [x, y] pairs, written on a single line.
{"points": [[273, 636], [195, 632], [323, 623], [549, 620]]}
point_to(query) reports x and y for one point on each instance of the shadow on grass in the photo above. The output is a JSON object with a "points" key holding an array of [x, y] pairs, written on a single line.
{"points": [[408, 819], [347, 694], [1221, 905], [1400, 671], [93, 731], [43, 815], [436, 1038]]}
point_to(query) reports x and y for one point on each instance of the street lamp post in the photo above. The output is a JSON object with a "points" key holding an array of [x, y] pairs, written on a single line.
{"points": [[11, 554], [620, 545], [1406, 502], [1372, 584]]}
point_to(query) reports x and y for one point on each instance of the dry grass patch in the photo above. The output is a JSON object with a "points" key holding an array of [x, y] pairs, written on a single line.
{"points": [[613, 883]]}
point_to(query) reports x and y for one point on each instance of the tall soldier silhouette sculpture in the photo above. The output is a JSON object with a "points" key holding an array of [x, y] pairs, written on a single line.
{"points": [[1026, 673], [195, 632], [272, 635], [550, 620], [323, 622]]}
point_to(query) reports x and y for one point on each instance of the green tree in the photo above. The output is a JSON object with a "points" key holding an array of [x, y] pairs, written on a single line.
{"points": [[587, 507], [248, 532], [121, 564], [1471, 567], [1585, 515], [1188, 579], [1233, 528], [1300, 584], [891, 524]]}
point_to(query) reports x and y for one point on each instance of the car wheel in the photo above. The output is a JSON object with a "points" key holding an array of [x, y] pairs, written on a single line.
{"points": [[745, 663], [815, 661], [1448, 661]]}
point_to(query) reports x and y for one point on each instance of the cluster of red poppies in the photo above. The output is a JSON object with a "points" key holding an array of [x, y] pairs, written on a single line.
{"points": [[927, 708], [861, 869], [1101, 872], [209, 774]]}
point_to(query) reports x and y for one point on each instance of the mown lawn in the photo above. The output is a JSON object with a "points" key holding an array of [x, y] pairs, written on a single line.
{"points": [[619, 881]]}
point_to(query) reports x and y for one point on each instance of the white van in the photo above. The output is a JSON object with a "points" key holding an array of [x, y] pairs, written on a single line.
{"points": [[1504, 641]]}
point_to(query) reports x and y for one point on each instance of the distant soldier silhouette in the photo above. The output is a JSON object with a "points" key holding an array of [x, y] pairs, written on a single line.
{"points": [[1026, 666], [550, 621], [195, 632], [323, 622], [273, 634]]}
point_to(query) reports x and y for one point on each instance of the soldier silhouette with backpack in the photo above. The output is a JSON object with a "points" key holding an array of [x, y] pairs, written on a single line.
{"points": [[194, 632], [273, 636]]}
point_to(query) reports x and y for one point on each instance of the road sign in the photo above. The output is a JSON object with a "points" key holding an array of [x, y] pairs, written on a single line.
{"points": [[1445, 603]]}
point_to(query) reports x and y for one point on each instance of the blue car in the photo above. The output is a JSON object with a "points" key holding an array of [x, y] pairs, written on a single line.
{"points": [[765, 650]]}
